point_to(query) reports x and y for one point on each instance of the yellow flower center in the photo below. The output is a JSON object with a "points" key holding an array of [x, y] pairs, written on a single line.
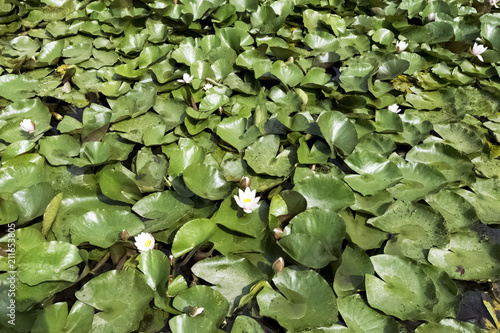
{"points": [[147, 243], [246, 200]]}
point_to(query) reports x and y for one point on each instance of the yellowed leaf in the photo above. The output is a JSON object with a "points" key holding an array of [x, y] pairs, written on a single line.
{"points": [[494, 150], [50, 213]]}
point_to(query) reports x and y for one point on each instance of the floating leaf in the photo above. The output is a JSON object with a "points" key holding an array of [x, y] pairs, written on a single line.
{"points": [[325, 191], [206, 181], [306, 302], [120, 296], [83, 229], [314, 237], [422, 292], [262, 156]]}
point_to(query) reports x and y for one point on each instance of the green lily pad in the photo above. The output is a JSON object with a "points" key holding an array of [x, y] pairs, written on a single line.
{"points": [[314, 237], [214, 308], [32, 201], [449, 325], [56, 318], [350, 276], [206, 181], [287, 72], [50, 261], [376, 173], [120, 296], [246, 324], [457, 211], [359, 317], [417, 228], [467, 257], [338, 131], [391, 69], [453, 164], [156, 268], [422, 292], [165, 209], [17, 87], [262, 156], [193, 233], [60, 149], [418, 180], [83, 227], [234, 131], [117, 186], [325, 191], [232, 276], [306, 302]]}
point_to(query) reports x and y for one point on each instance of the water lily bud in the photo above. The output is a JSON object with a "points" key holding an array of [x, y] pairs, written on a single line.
{"points": [[277, 233], [28, 126], [290, 60], [245, 182], [125, 235], [278, 265], [196, 311], [144, 241]]}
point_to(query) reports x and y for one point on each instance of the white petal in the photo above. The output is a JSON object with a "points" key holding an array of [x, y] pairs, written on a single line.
{"points": [[480, 57], [238, 202]]}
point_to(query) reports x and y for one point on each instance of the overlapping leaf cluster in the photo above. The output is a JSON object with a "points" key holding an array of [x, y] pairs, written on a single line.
{"points": [[148, 113]]}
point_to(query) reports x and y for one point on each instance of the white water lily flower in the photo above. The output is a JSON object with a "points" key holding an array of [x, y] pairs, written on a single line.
{"points": [[401, 45], [394, 108], [28, 126], [186, 78], [494, 3], [477, 50], [207, 86], [247, 200], [144, 241]]}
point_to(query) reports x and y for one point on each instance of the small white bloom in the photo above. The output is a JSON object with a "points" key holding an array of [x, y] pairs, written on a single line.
{"points": [[494, 3], [247, 200], [401, 45], [207, 86], [28, 126], [144, 241], [394, 108], [477, 50], [186, 78]]}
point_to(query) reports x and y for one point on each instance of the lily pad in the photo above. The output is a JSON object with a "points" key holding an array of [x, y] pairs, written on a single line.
{"points": [[263, 157], [50, 261], [314, 237], [120, 296], [306, 302], [422, 292]]}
